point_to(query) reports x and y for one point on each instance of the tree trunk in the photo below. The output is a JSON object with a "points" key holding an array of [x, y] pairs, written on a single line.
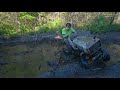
{"points": [[113, 18]]}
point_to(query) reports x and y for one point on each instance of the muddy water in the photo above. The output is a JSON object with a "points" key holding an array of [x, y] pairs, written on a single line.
{"points": [[28, 61], [32, 60]]}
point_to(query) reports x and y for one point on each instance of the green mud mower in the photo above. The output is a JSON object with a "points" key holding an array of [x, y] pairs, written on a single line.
{"points": [[88, 50]]}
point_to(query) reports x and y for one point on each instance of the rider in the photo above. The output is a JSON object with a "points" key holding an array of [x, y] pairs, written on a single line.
{"points": [[67, 32]]}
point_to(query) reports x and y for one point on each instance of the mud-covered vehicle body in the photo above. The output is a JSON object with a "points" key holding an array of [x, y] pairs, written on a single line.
{"points": [[89, 50]]}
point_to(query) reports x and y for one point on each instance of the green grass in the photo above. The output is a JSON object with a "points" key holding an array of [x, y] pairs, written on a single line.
{"points": [[114, 27]]}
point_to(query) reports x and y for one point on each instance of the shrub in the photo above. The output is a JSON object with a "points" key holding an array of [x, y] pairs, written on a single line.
{"points": [[52, 26], [98, 24]]}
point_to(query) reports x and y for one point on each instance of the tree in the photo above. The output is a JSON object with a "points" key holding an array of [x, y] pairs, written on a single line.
{"points": [[113, 18]]}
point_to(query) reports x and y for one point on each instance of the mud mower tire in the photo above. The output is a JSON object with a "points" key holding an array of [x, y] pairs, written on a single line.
{"points": [[106, 56]]}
